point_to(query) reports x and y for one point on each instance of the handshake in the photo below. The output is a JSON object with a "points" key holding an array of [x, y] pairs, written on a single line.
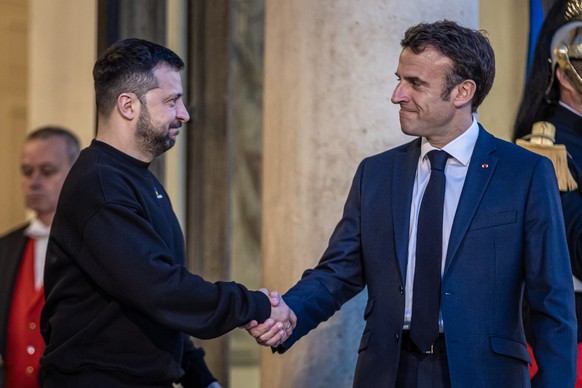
{"points": [[278, 327]]}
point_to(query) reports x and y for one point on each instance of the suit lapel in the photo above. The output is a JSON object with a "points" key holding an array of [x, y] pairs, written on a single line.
{"points": [[11, 249], [481, 168], [405, 165]]}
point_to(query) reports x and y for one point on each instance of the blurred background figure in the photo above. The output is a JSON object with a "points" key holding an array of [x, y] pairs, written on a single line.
{"points": [[47, 155], [553, 94]]}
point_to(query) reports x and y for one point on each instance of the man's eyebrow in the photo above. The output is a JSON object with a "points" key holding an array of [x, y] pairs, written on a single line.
{"points": [[415, 80], [173, 96]]}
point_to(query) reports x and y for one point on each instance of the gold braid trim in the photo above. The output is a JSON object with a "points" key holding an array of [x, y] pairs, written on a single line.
{"points": [[573, 10]]}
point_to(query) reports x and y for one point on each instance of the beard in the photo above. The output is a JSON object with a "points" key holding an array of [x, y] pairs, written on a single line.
{"points": [[152, 139]]}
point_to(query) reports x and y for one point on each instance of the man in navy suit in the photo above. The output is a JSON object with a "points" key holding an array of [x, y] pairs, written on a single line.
{"points": [[502, 237]]}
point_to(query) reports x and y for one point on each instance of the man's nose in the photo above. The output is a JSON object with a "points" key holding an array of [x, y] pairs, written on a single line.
{"points": [[34, 179], [398, 95], [182, 113]]}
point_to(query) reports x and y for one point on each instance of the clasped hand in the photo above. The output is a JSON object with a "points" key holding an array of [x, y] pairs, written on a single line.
{"points": [[278, 327]]}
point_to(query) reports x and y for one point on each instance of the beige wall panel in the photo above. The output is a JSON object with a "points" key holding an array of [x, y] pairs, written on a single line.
{"points": [[45, 78], [13, 105], [62, 53], [507, 24]]}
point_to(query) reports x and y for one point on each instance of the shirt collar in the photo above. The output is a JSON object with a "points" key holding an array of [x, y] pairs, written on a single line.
{"points": [[460, 148], [37, 229], [570, 108]]}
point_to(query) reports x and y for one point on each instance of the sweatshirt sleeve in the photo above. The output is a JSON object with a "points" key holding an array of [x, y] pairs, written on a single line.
{"points": [[138, 270]]}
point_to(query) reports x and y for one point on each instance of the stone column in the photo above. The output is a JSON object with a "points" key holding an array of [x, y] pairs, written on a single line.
{"points": [[209, 244], [329, 75]]}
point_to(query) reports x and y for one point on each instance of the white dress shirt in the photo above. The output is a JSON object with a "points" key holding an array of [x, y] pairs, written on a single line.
{"points": [[40, 233], [460, 151]]}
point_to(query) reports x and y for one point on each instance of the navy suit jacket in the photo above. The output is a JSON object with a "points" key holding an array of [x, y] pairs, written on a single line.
{"points": [[507, 239]]}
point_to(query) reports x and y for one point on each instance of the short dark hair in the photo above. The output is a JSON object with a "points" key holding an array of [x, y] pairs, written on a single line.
{"points": [[469, 51], [128, 67], [49, 131]]}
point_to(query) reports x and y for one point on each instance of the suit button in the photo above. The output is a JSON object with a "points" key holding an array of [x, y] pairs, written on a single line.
{"points": [[396, 337], [401, 290]]}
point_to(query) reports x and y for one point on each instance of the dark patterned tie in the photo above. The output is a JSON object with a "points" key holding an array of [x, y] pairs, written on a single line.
{"points": [[424, 328]]}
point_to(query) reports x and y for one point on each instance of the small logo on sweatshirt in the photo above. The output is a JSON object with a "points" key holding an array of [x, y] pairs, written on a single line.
{"points": [[158, 195]]}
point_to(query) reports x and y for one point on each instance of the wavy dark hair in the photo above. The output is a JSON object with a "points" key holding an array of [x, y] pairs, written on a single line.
{"points": [[128, 67], [469, 51], [535, 104]]}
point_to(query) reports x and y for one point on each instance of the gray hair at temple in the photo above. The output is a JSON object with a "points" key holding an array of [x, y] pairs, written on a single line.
{"points": [[50, 131]]}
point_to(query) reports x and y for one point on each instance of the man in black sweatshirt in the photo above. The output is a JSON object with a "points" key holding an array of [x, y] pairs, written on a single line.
{"points": [[120, 302]]}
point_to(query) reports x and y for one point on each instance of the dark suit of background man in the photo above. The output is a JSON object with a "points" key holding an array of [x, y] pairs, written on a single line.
{"points": [[503, 235], [47, 155], [120, 302]]}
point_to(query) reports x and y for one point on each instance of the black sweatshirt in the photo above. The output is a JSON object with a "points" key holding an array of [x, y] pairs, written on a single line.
{"points": [[119, 300]]}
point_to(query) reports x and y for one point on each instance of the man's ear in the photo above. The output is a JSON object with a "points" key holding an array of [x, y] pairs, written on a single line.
{"points": [[463, 93], [128, 106], [564, 81]]}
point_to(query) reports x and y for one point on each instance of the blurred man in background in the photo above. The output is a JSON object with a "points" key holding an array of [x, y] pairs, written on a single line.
{"points": [[47, 155]]}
